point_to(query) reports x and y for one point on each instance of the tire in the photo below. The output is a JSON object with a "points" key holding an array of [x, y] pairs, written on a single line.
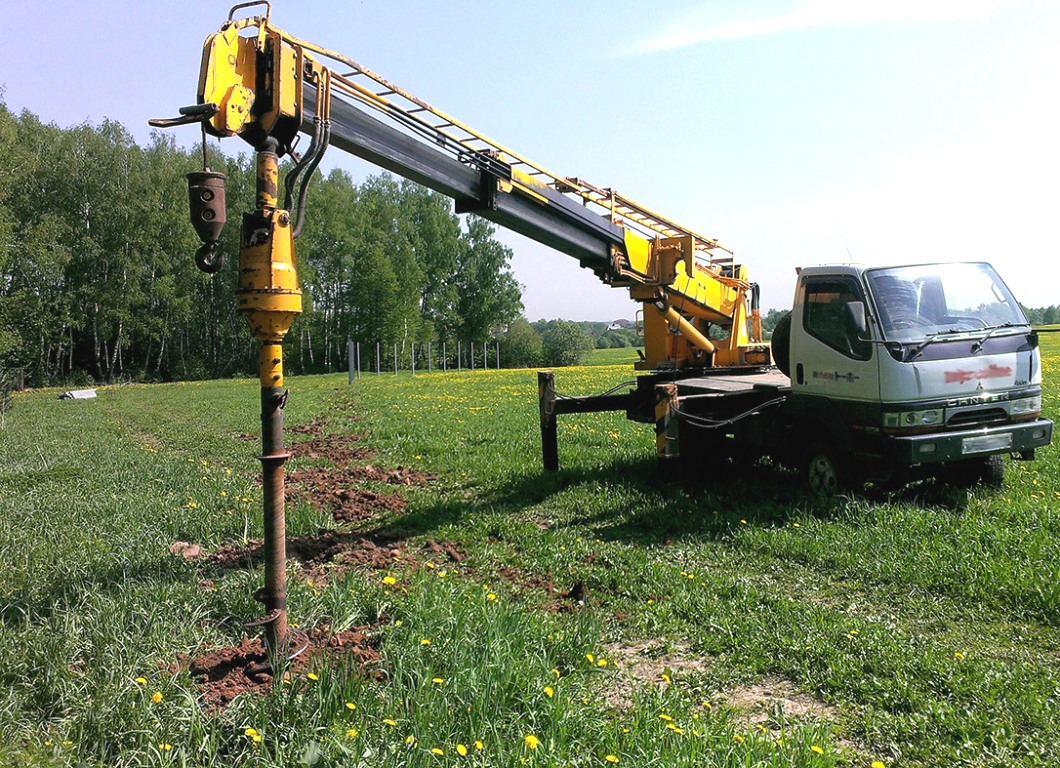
{"points": [[780, 344], [992, 473], [988, 472], [826, 474]]}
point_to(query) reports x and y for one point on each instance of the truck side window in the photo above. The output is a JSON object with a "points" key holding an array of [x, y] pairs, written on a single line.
{"points": [[827, 318]]}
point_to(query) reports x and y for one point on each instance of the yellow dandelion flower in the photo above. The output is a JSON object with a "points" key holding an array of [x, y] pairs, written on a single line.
{"points": [[817, 749], [312, 676], [491, 596], [666, 678], [878, 764], [165, 747], [437, 751], [429, 564], [256, 738], [389, 722], [437, 680], [531, 741], [250, 732], [550, 691], [479, 746], [352, 733], [590, 658], [601, 662], [410, 740], [389, 581], [555, 673], [156, 697], [666, 718], [611, 758], [425, 641], [737, 738], [351, 706], [461, 750], [959, 656], [140, 681]]}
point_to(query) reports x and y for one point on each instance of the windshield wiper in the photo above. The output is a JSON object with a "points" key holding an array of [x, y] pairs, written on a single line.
{"points": [[914, 352], [990, 332]]}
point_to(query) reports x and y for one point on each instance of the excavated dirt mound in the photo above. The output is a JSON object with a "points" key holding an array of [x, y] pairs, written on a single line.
{"points": [[322, 548], [339, 449], [225, 673], [328, 553], [329, 488]]}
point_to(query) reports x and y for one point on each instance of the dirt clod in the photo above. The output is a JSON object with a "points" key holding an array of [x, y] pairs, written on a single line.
{"points": [[225, 673], [185, 550]]}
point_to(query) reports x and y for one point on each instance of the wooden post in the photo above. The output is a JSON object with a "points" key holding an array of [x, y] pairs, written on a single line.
{"points": [[546, 402]]}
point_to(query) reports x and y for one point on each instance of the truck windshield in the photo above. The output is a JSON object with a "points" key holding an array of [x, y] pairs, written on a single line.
{"points": [[931, 299]]}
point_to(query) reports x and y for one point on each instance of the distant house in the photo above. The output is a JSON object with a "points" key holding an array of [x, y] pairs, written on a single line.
{"points": [[620, 325]]}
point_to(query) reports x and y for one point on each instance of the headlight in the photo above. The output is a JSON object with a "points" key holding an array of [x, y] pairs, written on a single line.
{"points": [[912, 419], [1026, 406]]}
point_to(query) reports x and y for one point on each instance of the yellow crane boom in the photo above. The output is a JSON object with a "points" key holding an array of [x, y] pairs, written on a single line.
{"points": [[259, 82]]}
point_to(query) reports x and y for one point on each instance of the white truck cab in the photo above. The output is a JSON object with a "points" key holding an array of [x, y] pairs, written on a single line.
{"points": [[896, 370]]}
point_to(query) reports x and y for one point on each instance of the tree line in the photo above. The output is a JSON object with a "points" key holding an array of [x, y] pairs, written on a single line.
{"points": [[98, 283]]}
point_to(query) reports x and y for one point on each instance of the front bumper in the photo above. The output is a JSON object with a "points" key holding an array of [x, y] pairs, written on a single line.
{"points": [[940, 447]]}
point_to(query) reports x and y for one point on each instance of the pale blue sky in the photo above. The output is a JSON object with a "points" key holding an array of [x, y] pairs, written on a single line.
{"points": [[794, 131]]}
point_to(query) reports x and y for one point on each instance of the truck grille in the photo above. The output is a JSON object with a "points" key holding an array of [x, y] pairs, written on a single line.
{"points": [[976, 417]]}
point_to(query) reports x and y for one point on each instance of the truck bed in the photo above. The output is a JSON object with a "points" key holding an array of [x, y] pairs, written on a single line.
{"points": [[770, 383]]}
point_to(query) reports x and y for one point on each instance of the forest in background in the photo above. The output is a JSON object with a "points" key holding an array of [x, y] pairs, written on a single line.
{"points": [[98, 281]]}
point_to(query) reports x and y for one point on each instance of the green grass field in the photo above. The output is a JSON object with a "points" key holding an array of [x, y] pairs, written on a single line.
{"points": [[742, 623]]}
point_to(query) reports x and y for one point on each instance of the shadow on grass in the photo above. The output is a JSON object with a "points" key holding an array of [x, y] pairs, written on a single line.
{"points": [[627, 501]]}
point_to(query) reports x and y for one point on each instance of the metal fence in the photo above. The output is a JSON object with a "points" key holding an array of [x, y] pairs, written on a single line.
{"points": [[378, 358]]}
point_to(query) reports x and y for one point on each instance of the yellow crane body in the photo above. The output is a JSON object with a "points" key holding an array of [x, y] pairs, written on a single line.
{"points": [[267, 83]]}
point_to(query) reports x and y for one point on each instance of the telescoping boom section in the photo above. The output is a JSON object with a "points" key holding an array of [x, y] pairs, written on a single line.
{"points": [[265, 85]]}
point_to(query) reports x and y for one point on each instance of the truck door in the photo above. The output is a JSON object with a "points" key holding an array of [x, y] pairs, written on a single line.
{"points": [[831, 359]]}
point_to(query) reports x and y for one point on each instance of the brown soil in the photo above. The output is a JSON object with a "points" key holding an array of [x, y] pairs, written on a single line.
{"points": [[326, 547], [643, 664], [757, 704], [339, 449], [330, 488], [225, 673], [329, 553]]}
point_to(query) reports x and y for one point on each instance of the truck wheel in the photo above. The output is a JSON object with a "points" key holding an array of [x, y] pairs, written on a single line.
{"points": [[780, 344], [826, 475], [989, 471], [993, 471]]}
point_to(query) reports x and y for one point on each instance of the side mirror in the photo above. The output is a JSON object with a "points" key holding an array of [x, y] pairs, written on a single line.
{"points": [[859, 319]]}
